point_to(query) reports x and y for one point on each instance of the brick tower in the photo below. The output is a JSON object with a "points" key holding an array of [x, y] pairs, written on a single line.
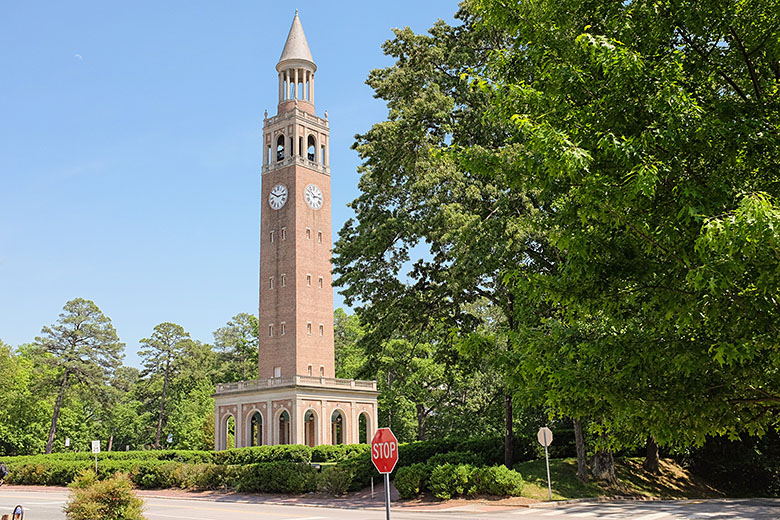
{"points": [[296, 398]]}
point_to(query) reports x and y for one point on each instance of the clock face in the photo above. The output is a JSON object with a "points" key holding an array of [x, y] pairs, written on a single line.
{"points": [[278, 196], [313, 196]]}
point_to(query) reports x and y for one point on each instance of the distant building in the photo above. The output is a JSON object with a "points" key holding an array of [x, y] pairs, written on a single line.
{"points": [[296, 398]]}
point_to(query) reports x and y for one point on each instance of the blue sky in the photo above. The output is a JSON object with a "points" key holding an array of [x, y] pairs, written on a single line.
{"points": [[130, 149]]}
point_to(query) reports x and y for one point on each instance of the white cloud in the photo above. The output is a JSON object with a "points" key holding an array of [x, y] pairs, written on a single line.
{"points": [[78, 57]]}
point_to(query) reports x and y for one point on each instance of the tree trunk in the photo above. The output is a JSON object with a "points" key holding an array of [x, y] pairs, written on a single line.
{"points": [[110, 442], [421, 416], [579, 441], [56, 414], [162, 405], [603, 466], [651, 458], [508, 438]]}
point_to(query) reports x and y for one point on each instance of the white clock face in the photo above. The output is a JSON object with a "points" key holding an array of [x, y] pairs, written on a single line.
{"points": [[278, 196], [313, 196]]}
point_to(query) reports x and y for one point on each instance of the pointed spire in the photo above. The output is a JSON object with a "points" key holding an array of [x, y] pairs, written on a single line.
{"points": [[296, 48]]}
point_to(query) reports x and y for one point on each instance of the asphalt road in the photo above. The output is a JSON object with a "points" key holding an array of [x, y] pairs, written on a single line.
{"points": [[47, 505]]}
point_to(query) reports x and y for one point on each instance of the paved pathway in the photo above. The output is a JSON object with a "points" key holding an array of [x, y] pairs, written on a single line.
{"points": [[43, 503]]}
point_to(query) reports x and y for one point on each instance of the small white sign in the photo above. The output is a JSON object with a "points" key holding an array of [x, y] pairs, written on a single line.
{"points": [[67, 442], [170, 438], [95, 446], [544, 436]]}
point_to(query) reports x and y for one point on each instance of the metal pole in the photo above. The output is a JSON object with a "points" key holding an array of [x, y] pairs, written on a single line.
{"points": [[387, 494], [95, 463], [372, 487], [547, 460]]}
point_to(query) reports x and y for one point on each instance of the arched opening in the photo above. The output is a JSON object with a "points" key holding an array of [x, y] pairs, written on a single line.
{"points": [[322, 154], [268, 155], [308, 91], [230, 432], [311, 145], [300, 146], [256, 429], [309, 428], [284, 427], [363, 428], [280, 148], [337, 427]]}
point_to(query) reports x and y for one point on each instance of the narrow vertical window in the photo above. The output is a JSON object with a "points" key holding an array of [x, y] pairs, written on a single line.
{"points": [[284, 233], [320, 282], [277, 371], [284, 280], [308, 280], [322, 371], [271, 282], [319, 237], [322, 329], [309, 370], [308, 234], [283, 328], [271, 236], [322, 155], [271, 331], [308, 328]]}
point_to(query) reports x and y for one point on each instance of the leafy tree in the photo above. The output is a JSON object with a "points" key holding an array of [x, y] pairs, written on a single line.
{"points": [[350, 358], [160, 358], [237, 344], [81, 348]]}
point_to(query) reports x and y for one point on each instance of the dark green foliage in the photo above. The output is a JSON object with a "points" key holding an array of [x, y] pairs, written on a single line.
{"points": [[450, 480], [257, 454], [457, 457], [496, 480], [362, 470], [335, 480], [410, 481], [111, 499], [329, 453], [277, 477]]}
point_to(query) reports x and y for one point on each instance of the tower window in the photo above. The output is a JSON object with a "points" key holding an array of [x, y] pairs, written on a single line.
{"points": [[322, 154], [322, 329], [277, 371], [284, 280], [271, 236], [322, 371], [283, 328], [309, 369], [280, 148], [319, 237], [308, 328], [308, 234], [271, 330], [320, 281], [308, 280], [300, 146], [271, 282], [268, 154], [284, 233], [311, 152]]}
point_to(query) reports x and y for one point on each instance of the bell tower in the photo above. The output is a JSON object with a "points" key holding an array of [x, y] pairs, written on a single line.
{"points": [[296, 296], [296, 397]]}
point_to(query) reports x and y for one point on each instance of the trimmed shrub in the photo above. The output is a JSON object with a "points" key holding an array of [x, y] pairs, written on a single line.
{"points": [[337, 453], [361, 468], [496, 480], [335, 480], [257, 454], [277, 477], [410, 481], [112, 499], [449, 480]]}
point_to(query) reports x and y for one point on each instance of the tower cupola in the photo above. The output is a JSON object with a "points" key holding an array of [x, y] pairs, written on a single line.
{"points": [[296, 70]]}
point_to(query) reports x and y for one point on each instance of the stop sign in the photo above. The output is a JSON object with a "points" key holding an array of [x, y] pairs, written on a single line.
{"points": [[384, 450]]}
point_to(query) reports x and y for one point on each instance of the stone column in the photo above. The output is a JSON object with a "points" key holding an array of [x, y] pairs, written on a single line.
{"points": [[281, 87], [312, 88], [295, 96]]}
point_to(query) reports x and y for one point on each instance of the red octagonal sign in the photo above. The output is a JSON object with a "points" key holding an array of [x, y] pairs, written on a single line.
{"points": [[384, 450]]}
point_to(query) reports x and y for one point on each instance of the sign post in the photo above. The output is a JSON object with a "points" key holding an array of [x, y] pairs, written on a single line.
{"points": [[384, 455], [96, 450], [545, 437]]}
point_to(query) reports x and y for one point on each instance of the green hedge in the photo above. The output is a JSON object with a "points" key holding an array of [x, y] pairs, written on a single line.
{"points": [[450, 480]]}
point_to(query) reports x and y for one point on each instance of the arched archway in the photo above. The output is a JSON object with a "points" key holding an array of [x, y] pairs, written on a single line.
{"points": [[280, 148], [255, 429], [363, 428], [337, 427], [283, 427], [311, 148], [229, 429], [310, 428]]}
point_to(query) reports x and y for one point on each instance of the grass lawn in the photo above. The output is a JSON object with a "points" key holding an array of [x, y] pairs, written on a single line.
{"points": [[673, 482]]}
